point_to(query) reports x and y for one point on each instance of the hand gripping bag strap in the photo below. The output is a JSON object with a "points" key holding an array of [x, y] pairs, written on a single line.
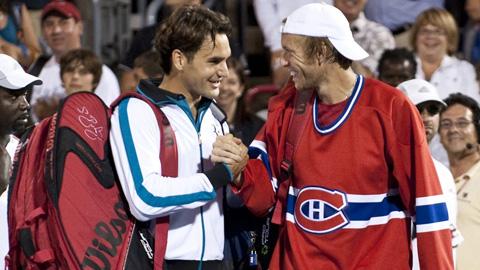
{"points": [[169, 161], [298, 122]]}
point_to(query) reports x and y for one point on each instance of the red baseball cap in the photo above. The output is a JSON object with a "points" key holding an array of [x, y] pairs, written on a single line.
{"points": [[65, 8]]}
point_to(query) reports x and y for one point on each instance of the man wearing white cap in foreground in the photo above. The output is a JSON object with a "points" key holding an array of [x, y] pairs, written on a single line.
{"points": [[425, 97], [360, 168], [14, 84]]}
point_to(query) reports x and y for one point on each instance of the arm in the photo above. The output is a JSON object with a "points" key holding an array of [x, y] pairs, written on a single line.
{"points": [[135, 140], [257, 187], [419, 187], [28, 36]]}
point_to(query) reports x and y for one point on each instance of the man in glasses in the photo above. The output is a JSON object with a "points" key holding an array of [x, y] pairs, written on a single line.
{"points": [[459, 131], [425, 97]]}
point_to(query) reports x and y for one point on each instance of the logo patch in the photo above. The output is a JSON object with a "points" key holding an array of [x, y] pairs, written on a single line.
{"points": [[319, 210]]}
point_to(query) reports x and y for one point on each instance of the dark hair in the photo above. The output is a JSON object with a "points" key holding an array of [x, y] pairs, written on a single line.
{"points": [[149, 61], [470, 103], [398, 55], [87, 58], [186, 29], [322, 46]]}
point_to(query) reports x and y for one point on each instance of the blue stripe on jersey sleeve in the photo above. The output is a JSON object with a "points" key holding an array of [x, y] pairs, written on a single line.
{"points": [[142, 192], [431, 213], [254, 152]]}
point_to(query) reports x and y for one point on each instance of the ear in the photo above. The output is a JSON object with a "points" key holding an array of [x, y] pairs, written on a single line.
{"points": [[178, 59], [80, 27]]}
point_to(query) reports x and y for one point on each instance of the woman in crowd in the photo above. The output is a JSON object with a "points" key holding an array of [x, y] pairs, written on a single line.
{"points": [[435, 40], [241, 227]]}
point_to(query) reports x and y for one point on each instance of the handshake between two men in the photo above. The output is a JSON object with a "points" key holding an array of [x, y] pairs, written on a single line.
{"points": [[233, 153]]}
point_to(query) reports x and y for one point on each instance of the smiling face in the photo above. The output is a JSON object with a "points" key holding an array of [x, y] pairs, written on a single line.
{"points": [[202, 74], [62, 34], [305, 71], [231, 90], [431, 41], [13, 111], [457, 129]]}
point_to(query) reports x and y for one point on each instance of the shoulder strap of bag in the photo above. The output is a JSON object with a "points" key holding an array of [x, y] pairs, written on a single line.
{"points": [[298, 122], [169, 161]]}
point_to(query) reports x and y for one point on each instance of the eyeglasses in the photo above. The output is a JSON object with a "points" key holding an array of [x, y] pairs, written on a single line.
{"points": [[432, 108], [461, 124], [431, 31]]}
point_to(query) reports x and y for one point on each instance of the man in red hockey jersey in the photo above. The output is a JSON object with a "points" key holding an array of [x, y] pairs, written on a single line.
{"points": [[346, 171]]}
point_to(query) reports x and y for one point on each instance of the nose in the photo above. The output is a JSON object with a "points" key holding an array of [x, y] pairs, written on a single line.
{"points": [[223, 70], [23, 103], [56, 28]]}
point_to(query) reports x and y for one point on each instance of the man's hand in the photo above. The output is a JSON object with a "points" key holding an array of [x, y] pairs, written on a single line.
{"points": [[233, 153]]}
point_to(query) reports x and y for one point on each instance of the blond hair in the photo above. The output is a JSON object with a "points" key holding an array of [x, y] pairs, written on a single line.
{"points": [[441, 19]]}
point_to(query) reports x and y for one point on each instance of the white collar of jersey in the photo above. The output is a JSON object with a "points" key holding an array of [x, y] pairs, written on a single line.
{"points": [[357, 89]]}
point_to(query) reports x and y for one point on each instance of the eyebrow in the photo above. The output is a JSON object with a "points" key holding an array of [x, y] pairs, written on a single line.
{"points": [[456, 119]]}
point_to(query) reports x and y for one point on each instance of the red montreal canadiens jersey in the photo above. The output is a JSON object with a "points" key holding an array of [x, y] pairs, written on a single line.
{"points": [[356, 183]]}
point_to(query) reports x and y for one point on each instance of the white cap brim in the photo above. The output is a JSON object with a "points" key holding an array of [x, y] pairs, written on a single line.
{"points": [[349, 48], [19, 81]]}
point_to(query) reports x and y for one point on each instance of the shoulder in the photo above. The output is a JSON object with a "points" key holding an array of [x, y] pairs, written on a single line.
{"points": [[108, 73], [283, 98], [454, 62], [379, 94]]}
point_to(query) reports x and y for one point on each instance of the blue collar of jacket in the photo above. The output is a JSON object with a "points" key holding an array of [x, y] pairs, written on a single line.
{"points": [[161, 97]]}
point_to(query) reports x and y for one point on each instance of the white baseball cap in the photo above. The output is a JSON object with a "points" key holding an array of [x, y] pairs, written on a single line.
{"points": [[12, 75], [420, 91], [323, 20]]}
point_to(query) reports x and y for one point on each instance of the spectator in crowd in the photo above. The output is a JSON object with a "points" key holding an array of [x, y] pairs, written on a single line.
{"points": [[241, 227], [62, 29], [80, 70], [331, 164], [435, 39], [14, 84], [396, 66], [373, 37], [17, 36], [146, 66], [425, 97], [471, 32], [399, 15], [270, 14], [242, 124], [399, 65], [459, 132], [194, 48]]}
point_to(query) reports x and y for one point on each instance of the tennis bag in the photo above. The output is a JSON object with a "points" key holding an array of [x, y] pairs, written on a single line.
{"points": [[66, 207]]}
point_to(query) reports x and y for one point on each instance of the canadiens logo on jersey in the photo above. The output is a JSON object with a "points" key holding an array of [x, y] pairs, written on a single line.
{"points": [[319, 210]]}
